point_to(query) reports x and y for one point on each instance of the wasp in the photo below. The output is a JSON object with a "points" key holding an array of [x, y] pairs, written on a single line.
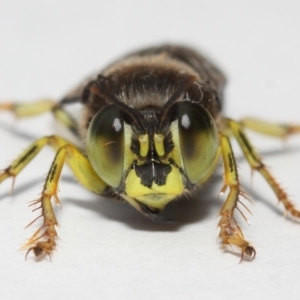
{"points": [[152, 131]]}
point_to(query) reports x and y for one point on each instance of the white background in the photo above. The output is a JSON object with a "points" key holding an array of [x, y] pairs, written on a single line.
{"points": [[106, 249]]}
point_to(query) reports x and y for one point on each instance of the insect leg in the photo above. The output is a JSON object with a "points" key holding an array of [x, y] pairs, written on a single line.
{"points": [[24, 110], [256, 163], [230, 232], [43, 240], [279, 130], [29, 153]]}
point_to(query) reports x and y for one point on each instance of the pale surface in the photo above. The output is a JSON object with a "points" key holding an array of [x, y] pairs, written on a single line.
{"points": [[106, 249]]}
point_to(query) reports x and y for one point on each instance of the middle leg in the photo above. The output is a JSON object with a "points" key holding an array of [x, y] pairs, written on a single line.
{"points": [[256, 163]]}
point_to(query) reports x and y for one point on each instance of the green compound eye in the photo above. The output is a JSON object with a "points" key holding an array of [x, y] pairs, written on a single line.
{"points": [[105, 145], [198, 140]]}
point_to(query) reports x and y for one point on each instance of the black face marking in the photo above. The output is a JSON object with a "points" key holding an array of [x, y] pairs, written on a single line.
{"points": [[153, 172], [168, 142]]}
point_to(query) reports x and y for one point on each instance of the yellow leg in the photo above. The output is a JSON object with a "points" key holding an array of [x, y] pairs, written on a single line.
{"points": [[269, 128], [256, 163], [43, 240], [230, 232], [24, 110]]}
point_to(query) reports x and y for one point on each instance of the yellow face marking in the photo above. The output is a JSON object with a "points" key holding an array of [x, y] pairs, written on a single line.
{"points": [[159, 144], [144, 144], [156, 196]]}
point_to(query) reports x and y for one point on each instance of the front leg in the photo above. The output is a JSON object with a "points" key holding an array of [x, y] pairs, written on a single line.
{"points": [[43, 240], [230, 232]]}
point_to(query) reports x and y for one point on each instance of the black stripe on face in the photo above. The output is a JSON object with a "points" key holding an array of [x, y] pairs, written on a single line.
{"points": [[153, 172]]}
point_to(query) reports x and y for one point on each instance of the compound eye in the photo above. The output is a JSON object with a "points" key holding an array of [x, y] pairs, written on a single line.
{"points": [[105, 145], [198, 139]]}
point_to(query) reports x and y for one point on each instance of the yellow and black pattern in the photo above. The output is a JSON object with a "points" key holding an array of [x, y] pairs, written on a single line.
{"points": [[152, 130]]}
